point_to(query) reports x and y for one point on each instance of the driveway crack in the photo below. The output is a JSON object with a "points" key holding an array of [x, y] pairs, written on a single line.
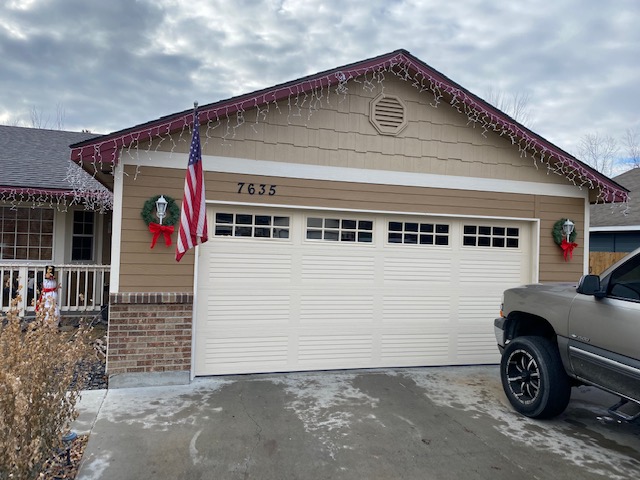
{"points": [[258, 437]]}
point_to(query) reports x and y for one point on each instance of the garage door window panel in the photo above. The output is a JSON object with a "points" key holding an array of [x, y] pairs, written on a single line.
{"points": [[414, 233], [343, 230], [491, 236], [252, 226]]}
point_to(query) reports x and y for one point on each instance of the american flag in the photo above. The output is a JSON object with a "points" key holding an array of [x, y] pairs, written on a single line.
{"points": [[193, 216]]}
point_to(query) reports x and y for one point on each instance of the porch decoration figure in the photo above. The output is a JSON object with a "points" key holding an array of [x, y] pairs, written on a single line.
{"points": [[48, 300], [564, 234], [167, 213]]}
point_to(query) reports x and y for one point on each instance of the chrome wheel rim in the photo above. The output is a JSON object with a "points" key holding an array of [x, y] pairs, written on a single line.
{"points": [[523, 376]]}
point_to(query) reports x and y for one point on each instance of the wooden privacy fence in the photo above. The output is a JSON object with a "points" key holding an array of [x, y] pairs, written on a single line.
{"points": [[600, 261]]}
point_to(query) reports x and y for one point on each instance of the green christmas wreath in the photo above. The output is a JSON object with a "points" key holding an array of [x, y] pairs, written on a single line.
{"points": [[149, 208], [558, 234]]}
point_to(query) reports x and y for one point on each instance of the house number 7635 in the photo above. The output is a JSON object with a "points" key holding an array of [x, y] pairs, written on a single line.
{"points": [[256, 188]]}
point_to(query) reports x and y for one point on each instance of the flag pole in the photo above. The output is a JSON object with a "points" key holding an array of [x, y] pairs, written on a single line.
{"points": [[193, 214], [195, 113]]}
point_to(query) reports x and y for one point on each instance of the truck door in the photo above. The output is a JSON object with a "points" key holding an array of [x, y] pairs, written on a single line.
{"points": [[604, 333]]}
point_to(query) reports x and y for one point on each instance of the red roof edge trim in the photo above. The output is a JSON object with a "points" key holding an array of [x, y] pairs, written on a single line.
{"points": [[482, 112], [400, 63], [105, 149]]}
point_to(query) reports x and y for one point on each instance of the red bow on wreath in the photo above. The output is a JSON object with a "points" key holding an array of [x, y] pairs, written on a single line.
{"points": [[158, 229], [567, 248]]}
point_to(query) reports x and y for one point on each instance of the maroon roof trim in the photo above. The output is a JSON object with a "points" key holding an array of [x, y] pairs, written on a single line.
{"points": [[105, 149]]}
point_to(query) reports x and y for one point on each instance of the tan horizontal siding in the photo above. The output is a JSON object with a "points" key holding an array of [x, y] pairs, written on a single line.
{"points": [[159, 282], [553, 267], [147, 270], [348, 195], [143, 269], [144, 247]]}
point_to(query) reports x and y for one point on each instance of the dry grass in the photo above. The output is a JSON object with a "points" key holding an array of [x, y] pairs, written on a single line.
{"points": [[39, 387]]}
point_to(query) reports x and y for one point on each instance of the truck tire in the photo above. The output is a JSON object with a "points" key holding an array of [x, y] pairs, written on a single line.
{"points": [[533, 377]]}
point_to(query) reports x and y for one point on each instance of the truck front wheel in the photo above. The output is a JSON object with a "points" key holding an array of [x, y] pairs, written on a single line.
{"points": [[533, 377]]}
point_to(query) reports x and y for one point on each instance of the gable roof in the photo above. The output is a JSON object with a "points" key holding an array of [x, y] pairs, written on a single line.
{"points": [[35, 165], [606, 216], [315, 89]]}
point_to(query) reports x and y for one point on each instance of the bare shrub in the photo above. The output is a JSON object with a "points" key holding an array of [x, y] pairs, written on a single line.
{"points": [[39, 388]]}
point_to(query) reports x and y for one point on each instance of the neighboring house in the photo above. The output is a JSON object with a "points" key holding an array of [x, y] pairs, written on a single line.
{"points": [[366, 216], [615, 229], [51, 213]]}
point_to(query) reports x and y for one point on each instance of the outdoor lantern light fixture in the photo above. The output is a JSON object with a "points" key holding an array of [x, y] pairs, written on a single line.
{"points": [[161, 208], [564, 235], [167, 213], [567, 229]]}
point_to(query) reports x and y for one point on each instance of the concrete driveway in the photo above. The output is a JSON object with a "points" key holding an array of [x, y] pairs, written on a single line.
{"points": [[422, 423]]}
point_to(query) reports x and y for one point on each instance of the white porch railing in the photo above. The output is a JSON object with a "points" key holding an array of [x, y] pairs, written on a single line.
{"points": [[83, 288]]}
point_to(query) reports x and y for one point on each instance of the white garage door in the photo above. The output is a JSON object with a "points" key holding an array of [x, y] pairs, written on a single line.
{"points": [[284, 290]]}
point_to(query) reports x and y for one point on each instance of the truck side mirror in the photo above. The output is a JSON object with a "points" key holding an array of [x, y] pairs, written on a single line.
{"points": [[589, 285]]}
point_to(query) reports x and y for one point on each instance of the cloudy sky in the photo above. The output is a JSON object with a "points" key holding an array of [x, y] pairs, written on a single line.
{"points": [[105, 65]]}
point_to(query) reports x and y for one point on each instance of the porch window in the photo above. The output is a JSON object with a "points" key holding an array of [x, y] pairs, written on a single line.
{"points": [[82, 241], [26, 233]]}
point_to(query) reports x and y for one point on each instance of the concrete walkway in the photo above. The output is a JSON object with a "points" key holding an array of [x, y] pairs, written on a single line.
{"points": [[422, 423]]}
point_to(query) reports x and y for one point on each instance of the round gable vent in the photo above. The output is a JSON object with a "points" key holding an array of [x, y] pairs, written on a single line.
{"points": [[388, 114]]}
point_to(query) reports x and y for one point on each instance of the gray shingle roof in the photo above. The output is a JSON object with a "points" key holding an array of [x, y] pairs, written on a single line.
{"points": [[36, 158], [613, 215]]}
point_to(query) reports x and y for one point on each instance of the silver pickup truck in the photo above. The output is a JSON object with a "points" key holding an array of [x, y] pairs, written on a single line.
{"points": [[557, 335]]}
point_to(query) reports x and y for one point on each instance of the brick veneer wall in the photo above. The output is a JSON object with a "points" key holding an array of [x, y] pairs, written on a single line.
{"points": [[149, 332]]}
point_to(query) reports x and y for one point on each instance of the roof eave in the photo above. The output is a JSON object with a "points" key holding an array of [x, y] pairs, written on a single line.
{"points": [[105, 149]]}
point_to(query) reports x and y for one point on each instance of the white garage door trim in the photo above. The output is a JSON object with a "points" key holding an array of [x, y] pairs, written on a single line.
{"points": [[301, 304]]}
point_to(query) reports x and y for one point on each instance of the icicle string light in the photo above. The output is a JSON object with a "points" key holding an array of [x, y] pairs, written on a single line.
{"points": [[87, 191], [82, 190], [60, 200], [308, 95]]}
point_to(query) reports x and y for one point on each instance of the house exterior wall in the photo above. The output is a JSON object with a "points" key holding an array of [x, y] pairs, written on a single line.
{"points": [[436, 140], [61, 237], [143, 269], [553, 267], [149, 333], [332, 159], [105, 256]]}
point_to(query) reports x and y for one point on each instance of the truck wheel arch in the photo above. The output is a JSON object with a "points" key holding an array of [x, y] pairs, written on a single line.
{"points": [[526, 324]]}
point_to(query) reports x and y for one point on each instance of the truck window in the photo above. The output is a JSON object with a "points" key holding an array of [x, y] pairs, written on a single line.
{"points": [[625, 281]]}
